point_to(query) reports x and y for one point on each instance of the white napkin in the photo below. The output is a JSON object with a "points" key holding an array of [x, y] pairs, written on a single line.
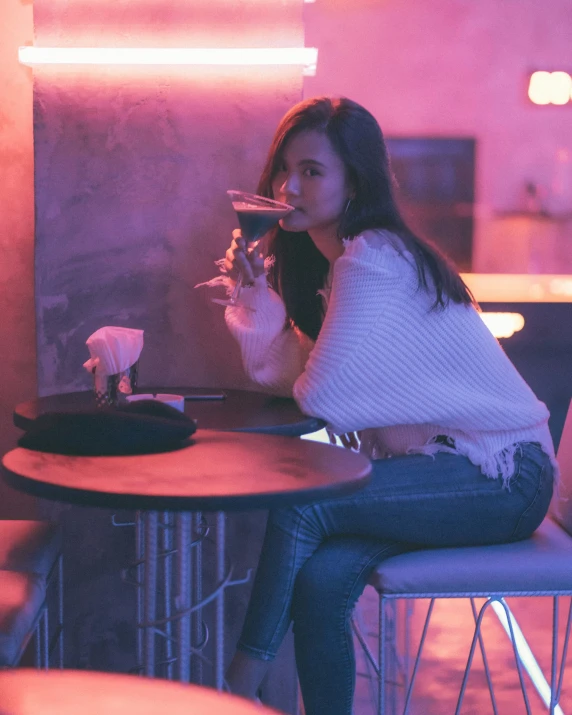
{"points": [[113, 350]]}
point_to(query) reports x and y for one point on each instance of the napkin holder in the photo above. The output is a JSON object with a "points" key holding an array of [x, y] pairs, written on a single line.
{"points": [[111, 390]]}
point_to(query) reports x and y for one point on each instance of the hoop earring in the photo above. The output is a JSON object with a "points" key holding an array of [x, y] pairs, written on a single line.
{"points": [[348, 204]]}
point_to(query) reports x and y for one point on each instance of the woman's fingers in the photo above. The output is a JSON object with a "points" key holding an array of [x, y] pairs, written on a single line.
{"points": [[256, 260], [354, 440], [237, 259], [346, 440], [349, 440], [236, 263]]}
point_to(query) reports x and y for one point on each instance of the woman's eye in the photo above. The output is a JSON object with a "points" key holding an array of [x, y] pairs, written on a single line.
{"points": [[311, 172]]}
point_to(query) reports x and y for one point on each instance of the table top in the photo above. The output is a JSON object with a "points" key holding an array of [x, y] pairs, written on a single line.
{"points": [[217, 471], [241, 410], [68, 692]]}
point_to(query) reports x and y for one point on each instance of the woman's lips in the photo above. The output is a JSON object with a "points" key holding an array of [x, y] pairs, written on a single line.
{"points": [[284, 201]]}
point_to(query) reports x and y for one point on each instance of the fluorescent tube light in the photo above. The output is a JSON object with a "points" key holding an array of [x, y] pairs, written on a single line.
{"points": [[306, 57]]}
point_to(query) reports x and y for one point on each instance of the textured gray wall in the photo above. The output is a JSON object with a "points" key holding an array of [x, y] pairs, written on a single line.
{"points": [[131, 213]]}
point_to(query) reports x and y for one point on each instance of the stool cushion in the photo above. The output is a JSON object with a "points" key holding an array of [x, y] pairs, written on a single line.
{"points": [[30, 546], [542, 563], [22, 596]]}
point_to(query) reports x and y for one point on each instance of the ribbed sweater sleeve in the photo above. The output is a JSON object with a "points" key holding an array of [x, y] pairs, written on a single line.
{"points": [[273, 355]]}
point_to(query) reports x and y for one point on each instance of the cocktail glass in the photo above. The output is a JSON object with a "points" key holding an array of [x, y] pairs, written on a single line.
{"points": [[256, 216]]}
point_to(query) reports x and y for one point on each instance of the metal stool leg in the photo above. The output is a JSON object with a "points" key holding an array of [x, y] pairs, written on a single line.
{"points": [[381, 657], [41, 640], [150, 593], [139, 577], [61, 611], [38, 645], [167, 542], [219, 605], [183, 578], [45, 639], [485, 660], [197, 580]]}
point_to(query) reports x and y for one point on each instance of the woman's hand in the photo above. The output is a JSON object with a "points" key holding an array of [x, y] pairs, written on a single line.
{"points": [[349, 440], [239, 260]]}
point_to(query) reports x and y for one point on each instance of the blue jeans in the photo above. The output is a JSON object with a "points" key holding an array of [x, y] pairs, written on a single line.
{"points": [[316, 559]]}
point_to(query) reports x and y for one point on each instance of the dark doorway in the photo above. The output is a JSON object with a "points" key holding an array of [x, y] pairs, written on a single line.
{"points": [[436, 192]]}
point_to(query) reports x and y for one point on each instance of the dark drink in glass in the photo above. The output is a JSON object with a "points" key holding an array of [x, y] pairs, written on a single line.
{"points": [[256, 216], [256, 221]]}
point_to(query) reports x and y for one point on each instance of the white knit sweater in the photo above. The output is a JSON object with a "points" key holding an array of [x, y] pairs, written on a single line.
{"points": [[386, 364]]}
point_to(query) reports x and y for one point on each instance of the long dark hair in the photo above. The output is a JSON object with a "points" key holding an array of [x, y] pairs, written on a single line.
{"points": [[299, 269]]}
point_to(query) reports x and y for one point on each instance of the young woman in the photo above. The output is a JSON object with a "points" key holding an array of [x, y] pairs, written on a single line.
{"points": [[370, 328]]}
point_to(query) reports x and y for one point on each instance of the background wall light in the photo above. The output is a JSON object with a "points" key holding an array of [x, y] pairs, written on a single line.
{"points": [[503, 325], [519, 287], [305, 57], [550, 88]]}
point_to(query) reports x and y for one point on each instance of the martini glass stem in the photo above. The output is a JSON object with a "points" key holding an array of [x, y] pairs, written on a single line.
{"points": [[240, 279], [256, 216], [233, 299], [236, 290]]}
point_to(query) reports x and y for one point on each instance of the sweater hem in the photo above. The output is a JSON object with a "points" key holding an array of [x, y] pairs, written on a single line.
{"points": [[495, 466], [499, 465]]}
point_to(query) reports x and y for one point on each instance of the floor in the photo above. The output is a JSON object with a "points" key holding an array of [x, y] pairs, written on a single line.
{"points": [[446, 650]]}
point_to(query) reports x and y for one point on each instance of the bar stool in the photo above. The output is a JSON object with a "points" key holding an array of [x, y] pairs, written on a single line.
{"points": [[34, 548], [22, 614], [538, 566]]}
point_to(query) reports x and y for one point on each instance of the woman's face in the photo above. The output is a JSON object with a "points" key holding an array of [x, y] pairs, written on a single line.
{"points": [[312, 178]]}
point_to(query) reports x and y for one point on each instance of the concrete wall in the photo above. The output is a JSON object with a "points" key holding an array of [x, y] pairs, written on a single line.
{"points": [[17, 323], [459, 68]]}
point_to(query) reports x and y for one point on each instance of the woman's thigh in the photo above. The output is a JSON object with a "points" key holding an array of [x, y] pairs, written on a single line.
{"points": [[440, 500]]}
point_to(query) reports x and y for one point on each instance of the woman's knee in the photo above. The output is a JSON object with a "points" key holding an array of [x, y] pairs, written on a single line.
{"points": [[291, 520]]}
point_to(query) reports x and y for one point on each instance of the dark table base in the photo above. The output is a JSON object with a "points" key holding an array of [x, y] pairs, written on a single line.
{"points": [[99, 607]]}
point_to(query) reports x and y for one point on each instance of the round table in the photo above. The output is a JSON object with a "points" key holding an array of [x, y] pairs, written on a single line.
{"points": [[241, 410], [67, 692], [217, 471]]}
